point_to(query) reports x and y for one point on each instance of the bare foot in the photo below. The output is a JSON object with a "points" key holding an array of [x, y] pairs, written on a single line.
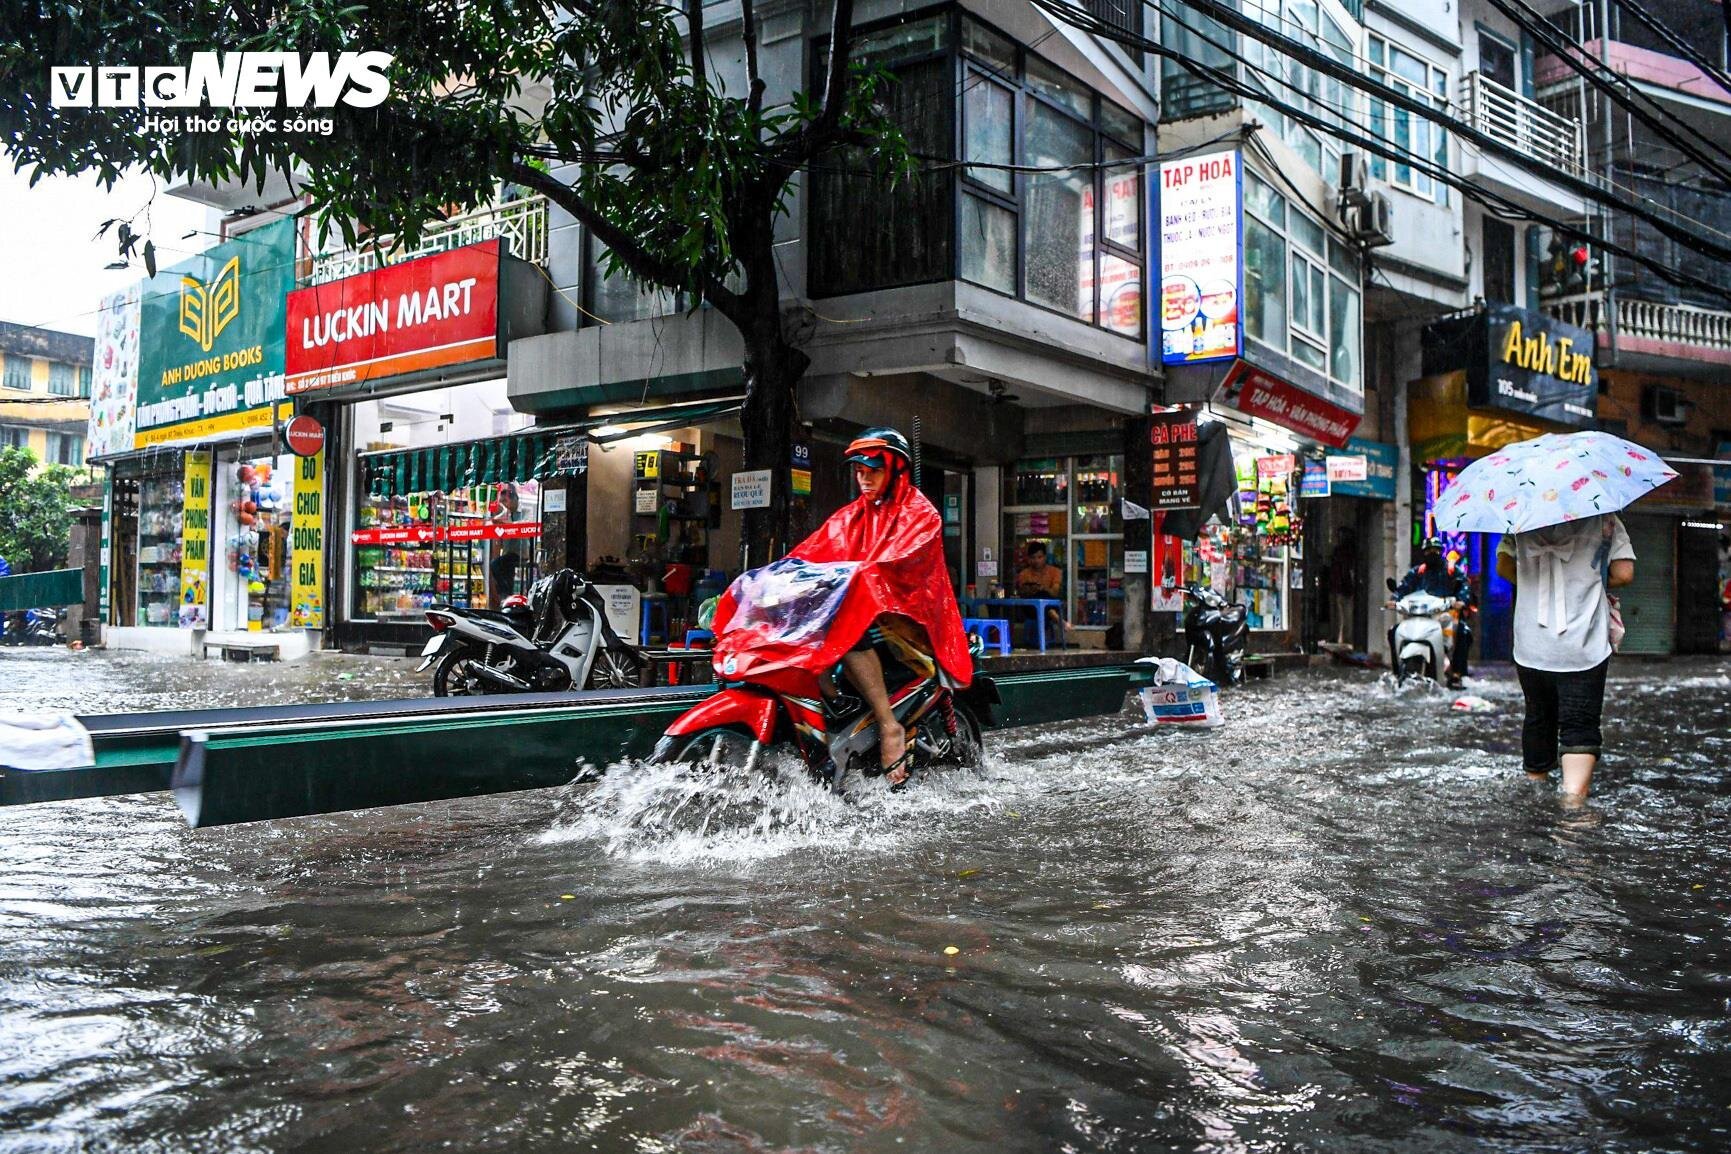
{"points": [[892, 744]]}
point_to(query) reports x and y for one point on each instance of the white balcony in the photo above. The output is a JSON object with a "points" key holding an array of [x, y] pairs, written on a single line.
{"points": [[1652, 335], [523, 223], [1540, 139]]}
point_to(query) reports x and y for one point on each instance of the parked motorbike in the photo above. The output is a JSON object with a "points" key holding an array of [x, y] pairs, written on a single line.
{"points": [[35, 627], [557, 638], [1423, 637], [835, 736], [1215, 633]]}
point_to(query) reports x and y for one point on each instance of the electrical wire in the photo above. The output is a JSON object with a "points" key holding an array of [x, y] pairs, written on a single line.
{"points": [[1681, 46], [1504, 206]]}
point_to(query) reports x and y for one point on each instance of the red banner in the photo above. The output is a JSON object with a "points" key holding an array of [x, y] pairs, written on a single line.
{"points": [[1261, 394], [427, 534], [435, 310]]}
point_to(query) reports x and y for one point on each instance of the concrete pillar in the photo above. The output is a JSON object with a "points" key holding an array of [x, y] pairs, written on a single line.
{"points": [[1138, 536]]}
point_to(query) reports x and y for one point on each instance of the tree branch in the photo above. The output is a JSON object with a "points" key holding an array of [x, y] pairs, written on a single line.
{"points": [[835, 83], [643, 264], [754, 82]]}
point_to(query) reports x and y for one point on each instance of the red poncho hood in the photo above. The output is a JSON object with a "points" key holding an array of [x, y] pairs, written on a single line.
{"points": [[869, 559]]}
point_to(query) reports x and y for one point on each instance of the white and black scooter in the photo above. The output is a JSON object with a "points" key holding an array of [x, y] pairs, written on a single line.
{"points": [[559, 640], [1424, 636]]}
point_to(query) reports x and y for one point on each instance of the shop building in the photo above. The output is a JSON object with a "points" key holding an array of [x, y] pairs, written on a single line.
{"points": [[202, 542], [1001, 308]]}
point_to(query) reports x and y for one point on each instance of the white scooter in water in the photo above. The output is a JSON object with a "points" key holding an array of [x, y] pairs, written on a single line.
{"points": [[1424, 638]]}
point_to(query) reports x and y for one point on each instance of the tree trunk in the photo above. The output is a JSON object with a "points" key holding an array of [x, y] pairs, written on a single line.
{"points": [[772, 372]]}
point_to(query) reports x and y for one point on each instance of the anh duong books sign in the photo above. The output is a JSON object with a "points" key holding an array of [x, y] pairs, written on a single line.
{"points": [[210, 340], [428, 313]]}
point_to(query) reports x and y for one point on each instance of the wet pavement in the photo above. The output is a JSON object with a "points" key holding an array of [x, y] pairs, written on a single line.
{"points": [[1345, 921]]}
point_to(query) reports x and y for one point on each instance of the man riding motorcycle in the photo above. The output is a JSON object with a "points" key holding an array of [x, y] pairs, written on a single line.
{"points": [[1436, 574], [901, 604]]}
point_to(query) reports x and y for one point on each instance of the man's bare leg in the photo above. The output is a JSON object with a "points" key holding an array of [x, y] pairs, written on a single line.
{"points": [[867, 674]]}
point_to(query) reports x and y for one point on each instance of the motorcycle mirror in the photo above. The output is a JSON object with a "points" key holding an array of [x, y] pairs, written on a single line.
{"points": [[1390, 582]]}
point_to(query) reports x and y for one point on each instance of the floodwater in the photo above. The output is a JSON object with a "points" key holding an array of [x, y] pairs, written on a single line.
{"points": [[1345, 921]]}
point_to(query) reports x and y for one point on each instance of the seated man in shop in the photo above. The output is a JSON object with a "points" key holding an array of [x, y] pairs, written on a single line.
{"points": [[898, 595], [1039, 579], [1437, 574]]}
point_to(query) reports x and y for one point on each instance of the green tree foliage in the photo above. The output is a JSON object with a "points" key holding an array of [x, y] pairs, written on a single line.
{"points": [[613, 109], [35, 512]]}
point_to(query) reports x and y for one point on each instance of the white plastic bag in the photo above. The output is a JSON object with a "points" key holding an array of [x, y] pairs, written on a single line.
{"points": [[44, 741], [1180, 696]]}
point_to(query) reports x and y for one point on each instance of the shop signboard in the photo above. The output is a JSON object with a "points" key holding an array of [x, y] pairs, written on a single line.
{"points": [[307, 546], [1316, 480], [800, 475], [1519, 361], [427, 313], [114, 378], [571, 456], [1177, 480], [210, 341], [1259, 393], [1346, 467], [751, 489], [1380, 458], [305, 436], [195, 543], [1201, 265]]}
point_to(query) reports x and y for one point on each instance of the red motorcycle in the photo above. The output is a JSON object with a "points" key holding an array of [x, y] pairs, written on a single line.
{"points": [[765, 701]]}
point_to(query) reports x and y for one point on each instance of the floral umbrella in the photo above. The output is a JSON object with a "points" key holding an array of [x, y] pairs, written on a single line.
{"points": [[1548, 480]]}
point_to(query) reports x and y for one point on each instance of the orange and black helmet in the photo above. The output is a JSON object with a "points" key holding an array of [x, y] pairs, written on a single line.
{"points": [[876, 448]]}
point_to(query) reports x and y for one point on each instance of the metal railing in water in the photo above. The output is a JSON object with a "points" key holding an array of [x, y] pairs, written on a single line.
{"points": [[521, 222]]}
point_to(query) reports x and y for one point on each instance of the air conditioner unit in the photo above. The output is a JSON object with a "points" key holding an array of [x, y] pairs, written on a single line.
{"points": [[1373, 221], [1665, 406], [1354, 180]]}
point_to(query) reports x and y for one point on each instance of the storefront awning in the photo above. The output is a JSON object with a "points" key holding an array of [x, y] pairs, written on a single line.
{"points": [[531, 455]]}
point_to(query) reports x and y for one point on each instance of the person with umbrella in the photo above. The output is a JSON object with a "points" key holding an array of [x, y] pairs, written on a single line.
{"points": [[1555, 499]]}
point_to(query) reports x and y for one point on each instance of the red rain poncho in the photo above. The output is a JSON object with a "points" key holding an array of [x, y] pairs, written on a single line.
{"points": [[868, 560]]}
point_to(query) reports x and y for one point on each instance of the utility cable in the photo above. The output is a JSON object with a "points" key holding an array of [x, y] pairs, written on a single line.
{"points": [[1679, 45]]}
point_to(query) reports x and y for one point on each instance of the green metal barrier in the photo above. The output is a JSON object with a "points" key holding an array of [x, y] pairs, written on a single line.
{"points": [[229, 766], [48, 589]]}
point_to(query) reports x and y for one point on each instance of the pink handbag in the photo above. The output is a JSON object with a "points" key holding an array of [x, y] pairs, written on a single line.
{"points": [[1616, 622]]}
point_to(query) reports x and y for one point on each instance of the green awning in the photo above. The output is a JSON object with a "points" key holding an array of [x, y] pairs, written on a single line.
{"points": [[526, 456]]}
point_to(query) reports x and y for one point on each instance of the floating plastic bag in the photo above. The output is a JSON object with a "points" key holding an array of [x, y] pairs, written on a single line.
{"points": [[1471, 703], [1180, 696]]}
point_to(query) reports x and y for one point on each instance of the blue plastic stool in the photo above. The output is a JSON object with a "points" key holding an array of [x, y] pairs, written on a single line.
{"points": [[994, 632], [693, 636]]}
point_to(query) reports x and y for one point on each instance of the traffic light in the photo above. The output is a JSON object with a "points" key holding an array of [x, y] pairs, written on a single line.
{"points": [[1569, 269]]}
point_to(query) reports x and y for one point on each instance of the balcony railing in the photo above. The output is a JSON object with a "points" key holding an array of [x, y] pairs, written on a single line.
{"points": [[522, 222], [1524, 125], [1676, 324]]}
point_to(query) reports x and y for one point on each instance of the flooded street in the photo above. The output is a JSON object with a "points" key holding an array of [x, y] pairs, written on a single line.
{"points": [[1344, 921]]}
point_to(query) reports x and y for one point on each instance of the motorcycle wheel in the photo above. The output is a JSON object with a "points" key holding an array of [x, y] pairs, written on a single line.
{"points": [[448, 681], [615, 669], [1412, 668], [966, 751], [722, 747]]}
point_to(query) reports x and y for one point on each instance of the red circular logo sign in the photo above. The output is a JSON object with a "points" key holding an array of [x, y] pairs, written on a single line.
{"points": [[305, 436]]}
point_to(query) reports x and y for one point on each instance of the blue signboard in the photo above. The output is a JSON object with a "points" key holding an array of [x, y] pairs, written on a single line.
{"points": [[1315, 483], [1381, 461]]}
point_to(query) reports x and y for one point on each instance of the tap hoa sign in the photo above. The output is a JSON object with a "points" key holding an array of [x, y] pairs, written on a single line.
{"points": [[427, 313]]}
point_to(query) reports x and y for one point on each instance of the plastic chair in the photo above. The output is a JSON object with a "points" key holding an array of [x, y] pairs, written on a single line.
{"points": [[654, 605], [994, 632]]}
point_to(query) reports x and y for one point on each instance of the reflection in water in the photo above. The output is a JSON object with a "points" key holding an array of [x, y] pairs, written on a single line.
{"points": [[1346, 920]]}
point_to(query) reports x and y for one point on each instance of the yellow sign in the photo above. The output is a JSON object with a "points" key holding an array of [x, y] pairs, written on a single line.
{"points": [[243, 421], [307, 547], [195, 543], [206, 309]]}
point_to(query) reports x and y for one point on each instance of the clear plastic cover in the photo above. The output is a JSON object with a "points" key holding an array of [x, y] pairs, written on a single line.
{"points": [[790, 600]]}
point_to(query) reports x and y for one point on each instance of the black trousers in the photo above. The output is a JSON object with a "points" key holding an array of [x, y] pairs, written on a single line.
{"points": [[1563, 711]]}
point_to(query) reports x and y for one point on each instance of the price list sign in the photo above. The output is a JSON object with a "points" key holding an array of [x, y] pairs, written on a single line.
{"points": [[1177, 483]]}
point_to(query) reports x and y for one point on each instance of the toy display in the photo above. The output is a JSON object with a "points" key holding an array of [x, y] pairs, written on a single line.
{"points": [[256, 543]]}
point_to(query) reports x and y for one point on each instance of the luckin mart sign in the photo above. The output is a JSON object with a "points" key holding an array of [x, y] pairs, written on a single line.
{"points": [[211, 339]]}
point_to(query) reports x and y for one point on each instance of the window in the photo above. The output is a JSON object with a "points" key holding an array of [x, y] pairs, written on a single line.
{"points": [[14, 437], [618, 298], [16, 374], [1415, 77], [62, 379], [1498, 61], [1497, 258], [909, 241], [84, 380], [1301, 286], [65, 449], [1071, 238]]}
